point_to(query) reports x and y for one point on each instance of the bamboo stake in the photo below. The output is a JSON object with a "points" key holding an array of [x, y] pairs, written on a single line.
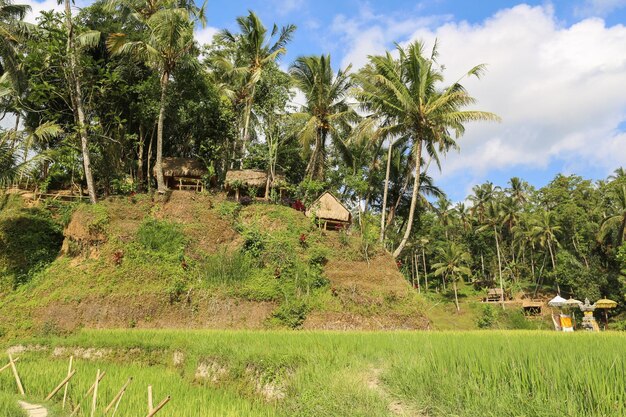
{"points": [[20, 387], [150, 403], [75, 410], [94, 384], [8, 365], [58, 388], [69, 369], [95, 394], [158, 407], [118, 396]]}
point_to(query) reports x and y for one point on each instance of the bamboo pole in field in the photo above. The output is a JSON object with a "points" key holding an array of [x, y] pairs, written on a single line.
{"points": [[158, 407], [150, 403], [118, 397], [18, 381], [58, 387], [102, 374], [95, 394], [8, 365], [69, 369], [75, 410]]}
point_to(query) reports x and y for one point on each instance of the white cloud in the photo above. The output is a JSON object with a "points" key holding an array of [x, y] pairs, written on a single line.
{"points": [[284, 7], [204, 36], [40, 6], [559, 90], [598, 7]]}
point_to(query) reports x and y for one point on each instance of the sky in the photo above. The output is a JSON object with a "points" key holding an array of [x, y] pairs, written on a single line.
{"points": [[556, 73]]}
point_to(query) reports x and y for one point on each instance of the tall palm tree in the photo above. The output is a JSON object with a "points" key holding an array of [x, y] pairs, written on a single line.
{"points": [[453, 264], [326, 113], [13, 32], [616, 220], [492, 220], [169, 44], [482, 198], [405, 93], [546, 231], [516, 190], [241, 64]]}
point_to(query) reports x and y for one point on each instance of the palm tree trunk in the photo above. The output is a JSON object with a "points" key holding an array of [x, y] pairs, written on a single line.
{"points": [[142, 139], [77, 100], [425, 273], [385, 193], [495, 230], [558, 288], [149, 161], [158, 166], [456, 296], [416, 186]]}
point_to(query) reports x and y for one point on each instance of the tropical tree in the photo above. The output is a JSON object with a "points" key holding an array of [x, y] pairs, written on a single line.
{"points": [[13, 32], [326, 113], [405, 94], [617, 219], [546, 231], [242, 62], [453, 264], [169, 44], [492, 220]]}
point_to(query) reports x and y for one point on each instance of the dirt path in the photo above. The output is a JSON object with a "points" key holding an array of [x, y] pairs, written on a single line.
{"points": [[395, 406], [34, 410]]}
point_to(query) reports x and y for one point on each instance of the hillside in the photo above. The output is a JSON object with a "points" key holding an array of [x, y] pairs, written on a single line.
{"points": [[195, 261]]}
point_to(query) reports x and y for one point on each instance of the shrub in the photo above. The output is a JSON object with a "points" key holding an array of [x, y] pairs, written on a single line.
{"points": [[291, 314], [488, 317], [319, 256], [226, 268], [161, 236]]}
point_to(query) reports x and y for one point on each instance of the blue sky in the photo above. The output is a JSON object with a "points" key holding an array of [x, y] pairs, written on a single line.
{"points": [[556, 73]]}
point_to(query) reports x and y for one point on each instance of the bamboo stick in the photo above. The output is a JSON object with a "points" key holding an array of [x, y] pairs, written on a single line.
{"points": [[94, 384], [75, 410], [69, 369], [158, 407], [20, 387], [95, 394], [118, 396], [58, 387], [8, 365], [150, 403]]}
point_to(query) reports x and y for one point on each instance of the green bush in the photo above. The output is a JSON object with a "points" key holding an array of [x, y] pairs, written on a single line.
{"points": [[228, 209], [262, 285], [318, 255], [227, 268], [161, 236], [488, 318], [291, 314]]}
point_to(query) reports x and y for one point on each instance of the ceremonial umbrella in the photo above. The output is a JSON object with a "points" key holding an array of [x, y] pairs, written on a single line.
{"points": [[606, 304], [557, 301]]}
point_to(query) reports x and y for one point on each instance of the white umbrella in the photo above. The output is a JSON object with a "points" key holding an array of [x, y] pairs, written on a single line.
{"points": [[557, 301], [572, 302]]}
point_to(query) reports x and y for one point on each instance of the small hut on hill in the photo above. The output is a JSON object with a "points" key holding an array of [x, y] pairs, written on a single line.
{"points": [[252, 181], [329, 211], [183, 173]]}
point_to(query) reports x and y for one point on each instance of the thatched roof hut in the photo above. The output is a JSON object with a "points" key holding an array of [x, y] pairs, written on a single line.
{"points": [[183, 173], [183, 167], [246, 178], [328, 209]]}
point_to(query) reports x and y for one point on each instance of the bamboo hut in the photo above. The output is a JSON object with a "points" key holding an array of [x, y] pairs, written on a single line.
{"points": [[183, 173], [329, 211], [495, 295], [251, 181]]}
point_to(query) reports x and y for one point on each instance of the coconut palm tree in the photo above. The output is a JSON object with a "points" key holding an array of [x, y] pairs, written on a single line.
{"points": [[169, 44], [493, 220], [546, 231], [326, 114], [13, 32], [242, 61], [453, 264], [405, 93], [616, 220]]}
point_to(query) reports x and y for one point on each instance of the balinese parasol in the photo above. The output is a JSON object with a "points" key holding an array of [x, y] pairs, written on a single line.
{"points": [[606, 304], [572, 304], [557, 301]]}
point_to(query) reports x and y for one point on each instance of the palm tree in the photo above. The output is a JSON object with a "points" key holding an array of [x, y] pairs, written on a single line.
{"points": [[404, 93], [617, 220], [516, 190], [546, 231], [482, 198], [493, 219], [326, 113], [454, 260], [13, 32], [242, 62], [169, 44]]}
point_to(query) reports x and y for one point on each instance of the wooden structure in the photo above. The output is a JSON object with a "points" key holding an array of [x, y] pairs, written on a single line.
{"points": [[330, 212], [495, 295], [532, 308], [183, 173], [251, 181]]}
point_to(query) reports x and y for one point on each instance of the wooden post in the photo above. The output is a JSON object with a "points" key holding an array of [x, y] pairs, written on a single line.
{"points": [[150, 404], [18, 381], [8, 365], [102, 374], [118, 397], [158, 407], [69, 369], [58, 387], [95, 394]]}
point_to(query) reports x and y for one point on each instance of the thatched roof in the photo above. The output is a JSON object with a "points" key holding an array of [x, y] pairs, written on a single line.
{"points": [[183, 167], [250, 178], [328, 207], [495, 291]]}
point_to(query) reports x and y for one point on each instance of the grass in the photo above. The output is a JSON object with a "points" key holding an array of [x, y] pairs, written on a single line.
{"points": [[279, 373]]}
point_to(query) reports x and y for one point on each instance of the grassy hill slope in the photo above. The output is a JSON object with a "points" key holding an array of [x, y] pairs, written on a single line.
{"points": [[196, 261]]}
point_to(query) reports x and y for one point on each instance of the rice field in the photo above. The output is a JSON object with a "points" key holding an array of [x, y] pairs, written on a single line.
{"points": [[238, 373]]}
